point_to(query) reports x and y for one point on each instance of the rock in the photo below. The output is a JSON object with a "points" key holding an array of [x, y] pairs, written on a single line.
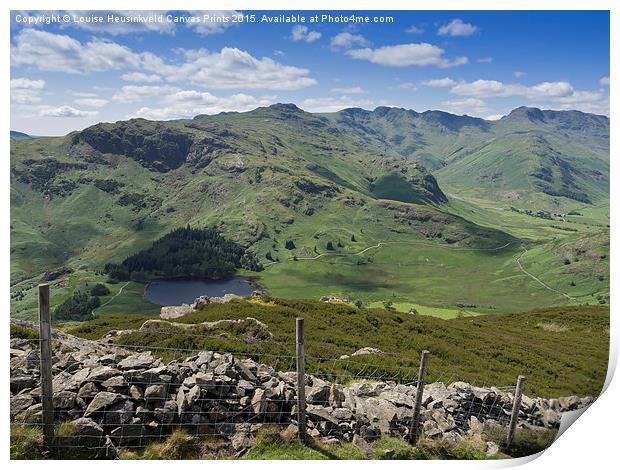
{"points": [[193, 395], [64, 400], [101, 401], [102, 373], [204, 357], [434, 392], [135, 392], [568, 403], [398, 399], [475, 426], [259, 402], [181, 402], [20, 403], [336, 396], [167, 413], [367, 389], [318, 394], [87, 391], [367, 350], [492, 448], [115, 382], [342, 414], [156, 392], [137, 361], [380, 412], [242, 439], [128, 434], [90, 435], [21, 382], [319, 413], [204, 380], [119, 413]]}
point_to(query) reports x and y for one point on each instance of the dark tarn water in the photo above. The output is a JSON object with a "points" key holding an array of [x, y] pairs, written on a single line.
{"points": [[185, 291]]}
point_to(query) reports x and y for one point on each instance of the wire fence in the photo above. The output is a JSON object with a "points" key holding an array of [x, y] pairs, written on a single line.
{"points": [[123, 395]]}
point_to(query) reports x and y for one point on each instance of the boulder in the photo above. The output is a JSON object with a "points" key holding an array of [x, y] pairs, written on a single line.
{"points": [[156, 392], [137, 361], [167, 413], [119, 413], [101, 401], [102, 373], [20, 403]]}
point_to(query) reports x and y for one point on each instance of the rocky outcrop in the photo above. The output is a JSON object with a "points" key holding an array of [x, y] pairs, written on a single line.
{"points": [[176, 311], [117, 397]]}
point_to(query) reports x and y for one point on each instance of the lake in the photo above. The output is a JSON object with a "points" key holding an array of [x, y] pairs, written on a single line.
{"points": [[185, 291]]}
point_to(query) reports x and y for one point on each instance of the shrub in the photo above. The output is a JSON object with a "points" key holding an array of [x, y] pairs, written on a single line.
{"points": [[289, 245], [99, 290]]}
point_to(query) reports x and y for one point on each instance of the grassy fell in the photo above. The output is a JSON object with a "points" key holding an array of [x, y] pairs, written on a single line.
{"points": [[568, 359]]}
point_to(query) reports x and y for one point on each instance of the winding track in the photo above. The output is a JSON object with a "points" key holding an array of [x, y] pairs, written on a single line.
{"points": [[380, 244], [539, 281], [111, 299]]}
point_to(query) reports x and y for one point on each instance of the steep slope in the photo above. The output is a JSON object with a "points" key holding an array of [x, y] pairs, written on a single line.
{"points": [[103, 193], [532, 158], [432, 138]]}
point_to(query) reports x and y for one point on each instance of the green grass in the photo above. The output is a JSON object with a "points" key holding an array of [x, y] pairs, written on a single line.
{"points": [[445, 313], [562, 351], [270, 202]]}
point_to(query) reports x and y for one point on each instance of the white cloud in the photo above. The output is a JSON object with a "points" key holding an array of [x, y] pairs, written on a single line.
{"points": [[356, 90], [485, 60], [279, 53], [604, 81], [333, 104], [494, 117], [226, 69], [439, 82], [92, 102], [189, 103], [347, 40], [519, 74], [457, 27], [141, 77], [60, 53], [65, 112], [403, 55], [494, 88], [466, 106], [25, 91], [413, 29], [230, 68], [408, 86], [302, 33], [549, 95], [133, 93]]}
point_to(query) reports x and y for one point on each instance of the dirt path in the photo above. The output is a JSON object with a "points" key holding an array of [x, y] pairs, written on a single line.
{"points": [[111, 299], [380, 244], [539, 281]]}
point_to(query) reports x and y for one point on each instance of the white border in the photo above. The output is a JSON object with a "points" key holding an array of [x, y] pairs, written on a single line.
{"points": [[590, 443]]}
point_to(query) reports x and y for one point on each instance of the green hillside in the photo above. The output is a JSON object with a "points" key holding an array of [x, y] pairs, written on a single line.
{"points": [[563, 351], [327, 207]]}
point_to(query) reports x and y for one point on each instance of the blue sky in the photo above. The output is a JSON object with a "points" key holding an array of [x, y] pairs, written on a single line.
{"points": [[70, 74]]}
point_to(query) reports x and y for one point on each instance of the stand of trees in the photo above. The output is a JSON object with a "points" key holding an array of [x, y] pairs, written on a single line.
{"points": [[186, 252], [77, 307]]}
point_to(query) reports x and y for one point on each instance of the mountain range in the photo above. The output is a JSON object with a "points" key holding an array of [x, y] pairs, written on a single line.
{"points": [[359, 179]]}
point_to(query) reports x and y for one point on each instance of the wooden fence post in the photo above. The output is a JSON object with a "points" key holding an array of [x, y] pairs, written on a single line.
{"points": [[45, 341], [415, 423], [301, 382], [516, 406]]}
